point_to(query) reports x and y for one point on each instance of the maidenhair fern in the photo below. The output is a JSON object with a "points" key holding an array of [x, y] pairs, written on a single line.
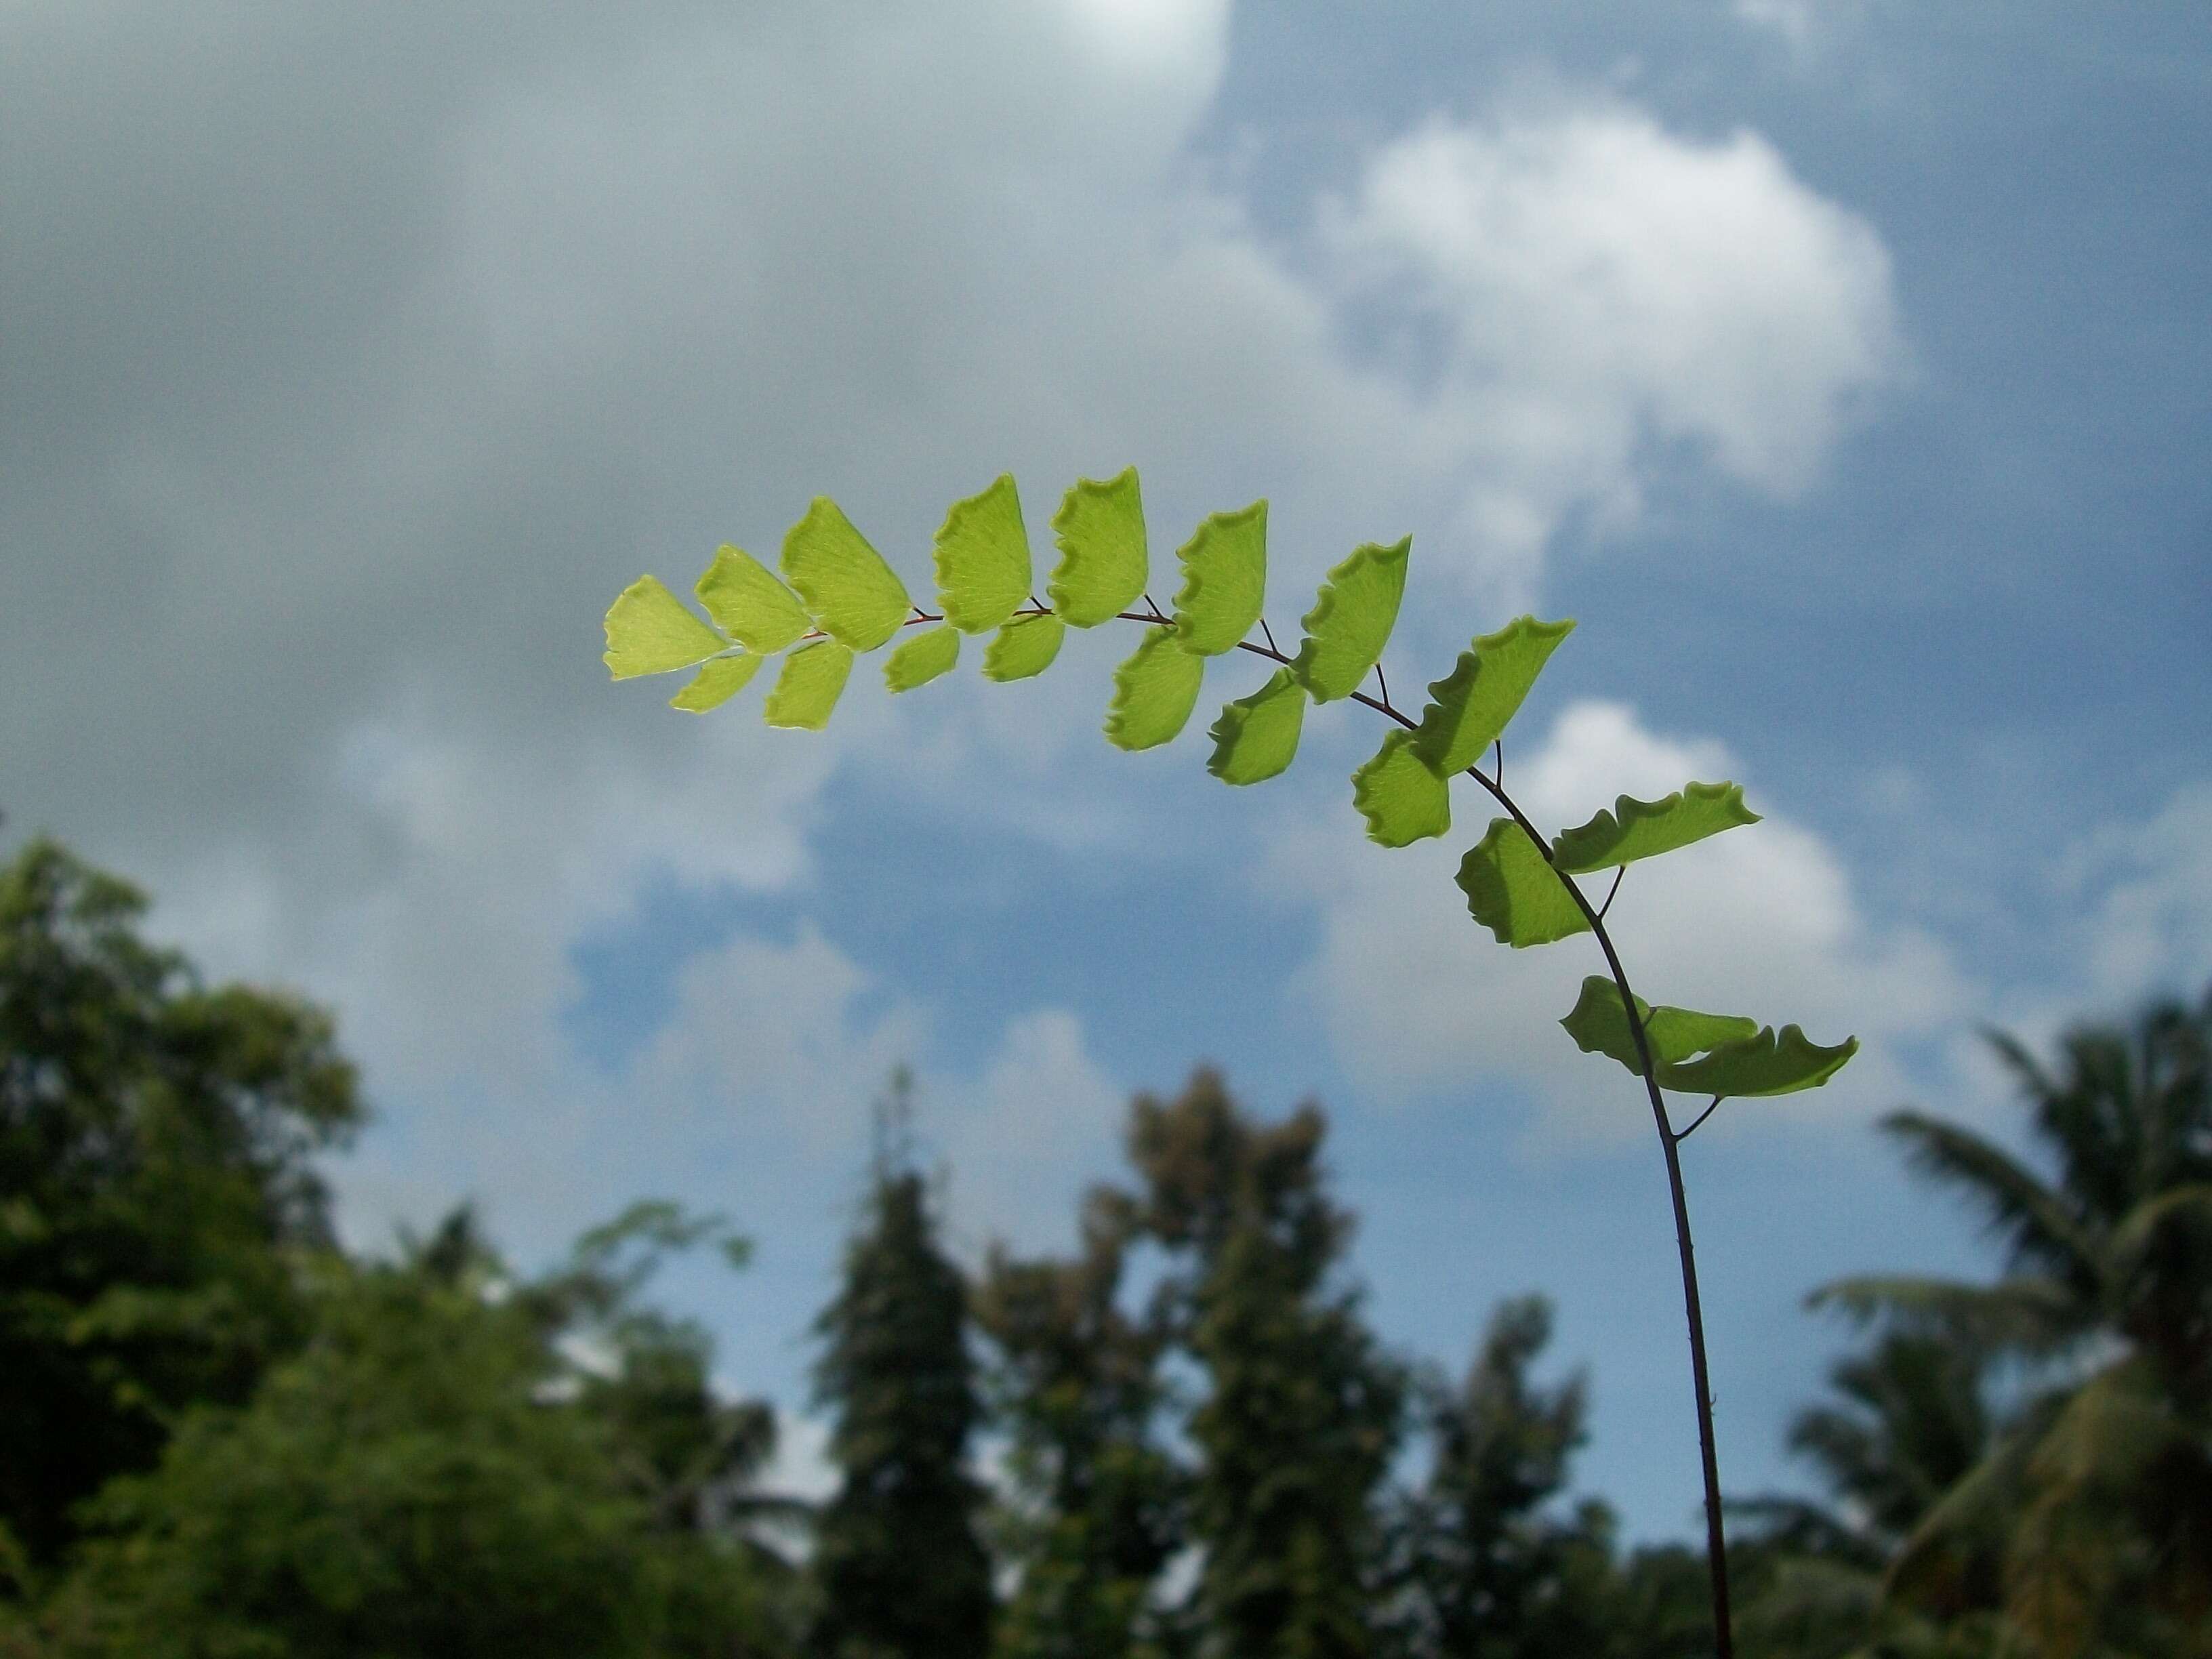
{"points": [[842, 600]]}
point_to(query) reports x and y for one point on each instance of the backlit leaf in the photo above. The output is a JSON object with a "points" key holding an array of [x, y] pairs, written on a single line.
{"points": [[743, 596], [651, 631], [1024, 646], [1512, 890], [1256, 736], [1224, 579], [1154, 692], [1102, 570], [1642, 828], [1764, 1063], [857, 598], [1351, 620], [1598, 1025], [808, 688], [983, 558], [923, 659], [1400, 799], [1469, 706], [717, 681]]}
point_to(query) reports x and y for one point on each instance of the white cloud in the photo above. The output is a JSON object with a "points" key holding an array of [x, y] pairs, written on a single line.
{"points": [[1595, 281], [777, 1036], [595, 296], [1793, 20], [1419, 998], [1184, 40], [1042, 1121], [796, 1040], [2152, 932]]}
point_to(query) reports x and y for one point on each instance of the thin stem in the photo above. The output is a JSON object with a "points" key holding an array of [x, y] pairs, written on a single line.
{"points": [[1619, 871], [1701, 1117], [1700, 1375], [1270, 633], [1383, 681]]}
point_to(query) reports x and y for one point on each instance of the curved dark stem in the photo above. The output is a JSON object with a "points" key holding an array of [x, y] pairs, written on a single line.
{"points": [[1669, 1142], [1700, 1118], [1383, 681], [1270, 633], [1700, 1375], [1617, 874]]}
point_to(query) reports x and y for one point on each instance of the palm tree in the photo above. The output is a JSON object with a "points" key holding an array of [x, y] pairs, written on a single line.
{"points": [[1909, 1419], [2117, 1249], [1910, 1422], [2094, 1510]]}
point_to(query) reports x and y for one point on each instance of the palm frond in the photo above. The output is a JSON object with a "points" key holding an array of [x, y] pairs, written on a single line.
{"points": [[1954, 1560], [2039, 1222], [2097, 1119], [2034, 1318]]}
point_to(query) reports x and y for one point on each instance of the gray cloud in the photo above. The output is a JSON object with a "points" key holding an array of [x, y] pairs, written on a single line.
{"points": [[353, 359]]}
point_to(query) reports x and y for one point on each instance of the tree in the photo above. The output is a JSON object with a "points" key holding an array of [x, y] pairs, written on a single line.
{"points": [[692, 1456], [899, 1569], [1910, 1418], [426, 1477], [1303, 1411], [1097, 1503], [1492, 1575], [2091, 1515], [155, 1188]]}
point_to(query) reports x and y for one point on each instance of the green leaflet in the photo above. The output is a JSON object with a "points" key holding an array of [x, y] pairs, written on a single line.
{"points": [[743, 596], [1256, 736], [1024, 646], [807, 688], [983, 558], [1101, 531], [1225, 578], [1469, 706], [651, 631], [1400, 799], [1643, 829], [1351, 620], [1762, 1065], [1153, 692], [1512, 890], [858, 599], [718, 680], [1598, 1025], [923, 659]]}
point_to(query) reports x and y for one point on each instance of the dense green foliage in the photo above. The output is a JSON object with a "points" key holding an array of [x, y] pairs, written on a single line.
{"points": [[1302, 1408], [1495, 1571], [898, 1564], [1097, 1506], [222, 1437], [155, 1189]]}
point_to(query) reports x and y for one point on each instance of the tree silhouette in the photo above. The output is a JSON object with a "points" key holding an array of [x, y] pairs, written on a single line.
{"points": [[2095, 1509], [1303, 1411], [899, 1569]]}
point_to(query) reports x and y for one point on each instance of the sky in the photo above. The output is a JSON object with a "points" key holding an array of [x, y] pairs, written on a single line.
{"points": [[1840, 364]]}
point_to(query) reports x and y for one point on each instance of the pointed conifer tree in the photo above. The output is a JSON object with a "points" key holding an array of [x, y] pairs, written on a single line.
{"points": [[900, 1572]]}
